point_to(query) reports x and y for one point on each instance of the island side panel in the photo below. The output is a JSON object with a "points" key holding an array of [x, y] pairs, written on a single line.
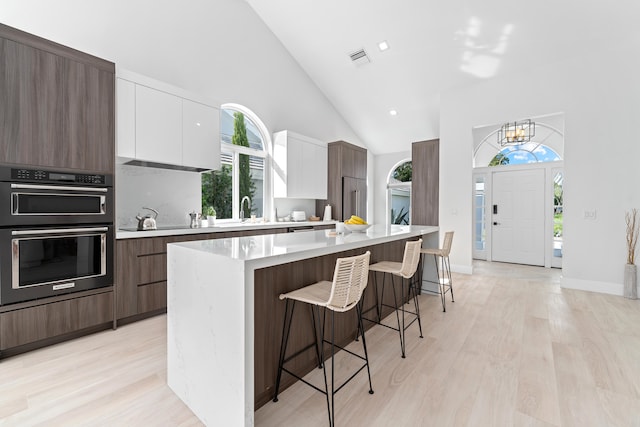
{"points": [[270, 282], [206, 333]]}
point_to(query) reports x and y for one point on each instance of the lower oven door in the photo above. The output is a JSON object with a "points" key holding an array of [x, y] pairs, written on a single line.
{"points": [[46, 262]]}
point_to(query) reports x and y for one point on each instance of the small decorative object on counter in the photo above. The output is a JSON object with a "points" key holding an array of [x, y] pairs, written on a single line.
{"points": [[631, 270], [357, 224], [194, 219], [210, 214], [327, 213], [146, 222], [298, 216]]}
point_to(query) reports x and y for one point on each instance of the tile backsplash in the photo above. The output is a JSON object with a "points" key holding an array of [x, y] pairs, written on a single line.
{"points": [[172, 193]]}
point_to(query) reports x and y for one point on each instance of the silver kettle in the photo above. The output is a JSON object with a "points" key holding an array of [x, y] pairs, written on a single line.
{"points": [[147, 222]]}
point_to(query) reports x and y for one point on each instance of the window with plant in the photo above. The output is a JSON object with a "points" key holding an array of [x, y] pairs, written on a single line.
{"points": [[399, 193], [242, 172]]}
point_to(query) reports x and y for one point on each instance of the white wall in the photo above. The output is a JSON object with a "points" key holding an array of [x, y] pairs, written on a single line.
{"points": [[599, 93], [219, 49]]}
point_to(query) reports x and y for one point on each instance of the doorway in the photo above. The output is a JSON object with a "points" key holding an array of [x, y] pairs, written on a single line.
{"points": [[518, 194], [517, 217], [526, 227]]}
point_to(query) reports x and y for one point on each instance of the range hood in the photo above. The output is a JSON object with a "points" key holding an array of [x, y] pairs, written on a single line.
{"points": [[165, 166]]}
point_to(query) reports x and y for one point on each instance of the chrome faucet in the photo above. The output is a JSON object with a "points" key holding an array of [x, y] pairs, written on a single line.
{"points": [[247, 198]]}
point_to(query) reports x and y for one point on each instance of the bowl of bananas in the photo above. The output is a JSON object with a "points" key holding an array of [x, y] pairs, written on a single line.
{"points": [[356, 224]]}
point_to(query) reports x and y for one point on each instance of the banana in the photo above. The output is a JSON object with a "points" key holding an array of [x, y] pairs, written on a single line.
{"points": [[356, 220]]}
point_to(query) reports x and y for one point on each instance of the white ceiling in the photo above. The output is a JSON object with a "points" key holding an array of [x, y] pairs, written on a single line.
{"points": [[435, 46]]}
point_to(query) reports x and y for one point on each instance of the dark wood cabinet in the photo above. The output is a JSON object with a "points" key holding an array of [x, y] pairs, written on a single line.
{"points": [[36, 324], [425, 184], [141, 271], [346, 161], [354, 197], [56, 105], [270, 282]]}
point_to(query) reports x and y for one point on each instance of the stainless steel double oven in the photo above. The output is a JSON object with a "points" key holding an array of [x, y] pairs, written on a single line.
{"points": [[56, 232]]}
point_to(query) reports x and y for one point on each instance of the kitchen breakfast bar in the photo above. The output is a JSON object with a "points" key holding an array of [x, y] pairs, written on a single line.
{"points": [[225, 319]]}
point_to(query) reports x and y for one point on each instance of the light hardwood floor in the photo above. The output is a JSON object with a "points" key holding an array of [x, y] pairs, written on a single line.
{"points": [[514, 349]]}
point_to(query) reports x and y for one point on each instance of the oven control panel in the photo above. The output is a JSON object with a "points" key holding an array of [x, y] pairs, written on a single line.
{"points": [[40, 175]]}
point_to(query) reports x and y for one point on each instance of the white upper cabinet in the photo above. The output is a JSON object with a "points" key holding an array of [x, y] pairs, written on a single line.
{"points": [[125, 118], [300, 166], [158, 123], [158, 126], [200, 127]]}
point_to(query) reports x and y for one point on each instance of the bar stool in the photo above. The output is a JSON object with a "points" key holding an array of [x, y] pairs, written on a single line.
{"points": [[404, 270], [344, 293], [444, 272]]}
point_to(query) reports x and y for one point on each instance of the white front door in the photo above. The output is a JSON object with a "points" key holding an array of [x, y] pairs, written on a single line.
{"points": [[517, 217]]}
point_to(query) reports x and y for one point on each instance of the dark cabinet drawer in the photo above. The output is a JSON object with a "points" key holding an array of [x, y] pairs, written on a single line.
{"points": [[152, 297], [152, 268], [37, 323]]}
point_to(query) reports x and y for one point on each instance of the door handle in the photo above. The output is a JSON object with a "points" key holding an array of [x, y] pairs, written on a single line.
{"points": [[496, 223]]}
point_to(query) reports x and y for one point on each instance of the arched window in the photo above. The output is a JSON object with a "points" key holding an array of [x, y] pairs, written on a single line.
{"points": [[530, 152], [399, 193], [548, 145], [244, 172]]}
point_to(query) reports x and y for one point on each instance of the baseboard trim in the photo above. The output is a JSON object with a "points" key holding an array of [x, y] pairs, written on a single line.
{"points": [[592, 286]]}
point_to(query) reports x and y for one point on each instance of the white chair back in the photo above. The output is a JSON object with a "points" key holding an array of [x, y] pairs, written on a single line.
{"points": [[411, 258], [446, 244], [349, 281]]}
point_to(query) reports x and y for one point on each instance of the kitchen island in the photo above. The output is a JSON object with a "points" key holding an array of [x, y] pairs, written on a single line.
{"points": [[225, 318]]}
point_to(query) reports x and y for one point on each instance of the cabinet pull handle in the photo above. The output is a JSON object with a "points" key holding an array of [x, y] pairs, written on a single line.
{"points": [[58, 187], [57, 231]]}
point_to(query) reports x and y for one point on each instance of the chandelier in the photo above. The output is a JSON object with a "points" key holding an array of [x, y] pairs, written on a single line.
{"points": [[516, 133]]}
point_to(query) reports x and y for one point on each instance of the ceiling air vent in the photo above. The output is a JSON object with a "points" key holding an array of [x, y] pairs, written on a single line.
{"points": [[359, 57]]}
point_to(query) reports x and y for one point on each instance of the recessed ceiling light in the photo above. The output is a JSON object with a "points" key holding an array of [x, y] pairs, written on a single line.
{"points": [[393, 112], [383, 45]]}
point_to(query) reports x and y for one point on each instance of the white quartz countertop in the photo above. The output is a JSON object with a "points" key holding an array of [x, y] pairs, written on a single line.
{"points": [[273, 249], [221, 227]]}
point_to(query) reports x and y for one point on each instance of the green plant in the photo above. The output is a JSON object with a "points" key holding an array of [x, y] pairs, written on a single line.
{"points": [[404, 172], [216, 191], [209, 211], [499, 159], [400, 218], [557, 225], [247, 186]]}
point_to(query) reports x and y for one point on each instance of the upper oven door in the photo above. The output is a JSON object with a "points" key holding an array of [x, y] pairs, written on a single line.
{"points": [[32, 204]]}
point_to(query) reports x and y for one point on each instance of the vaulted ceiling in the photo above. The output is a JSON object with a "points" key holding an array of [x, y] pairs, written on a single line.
{"points": [[433, 46]]}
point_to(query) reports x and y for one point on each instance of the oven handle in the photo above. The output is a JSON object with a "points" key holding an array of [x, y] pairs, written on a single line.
{"points": [[56, 187], [57, 231]]}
